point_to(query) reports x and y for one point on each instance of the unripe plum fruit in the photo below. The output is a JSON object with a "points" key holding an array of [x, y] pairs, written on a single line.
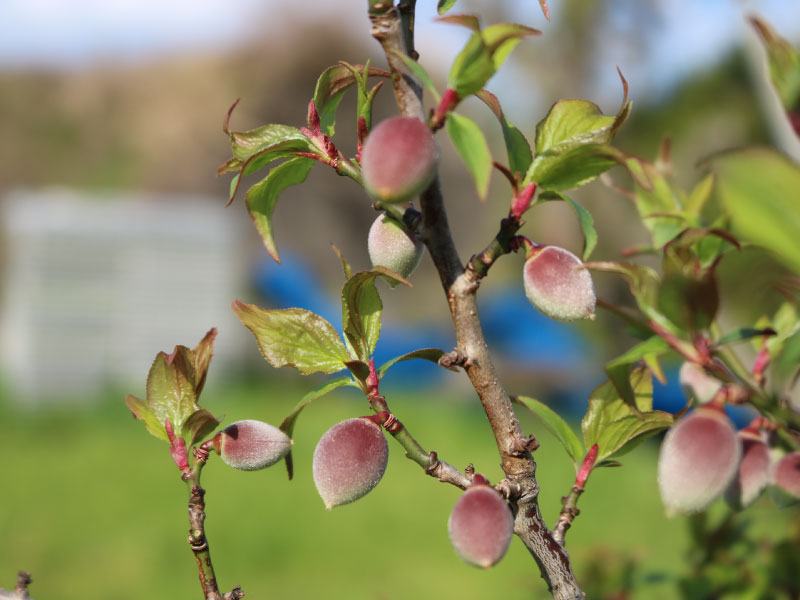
{"points": [[556, 284], [786, 478], [398, 159], [391, 245], [349, 460], [481, 526], [698, 384], [251, 445], [753, 473], [699, 457]]}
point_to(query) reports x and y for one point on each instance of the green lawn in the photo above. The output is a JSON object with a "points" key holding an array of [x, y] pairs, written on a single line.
{"points": [[93, 506]]}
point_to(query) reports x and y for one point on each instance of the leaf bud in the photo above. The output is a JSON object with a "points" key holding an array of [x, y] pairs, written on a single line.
{"points": [[698, 384], [557, 285], [481, 526], [392, 246], [251, 445], [698, 459], [786, 479], [349, 460], [752, 475], [398, 159]]}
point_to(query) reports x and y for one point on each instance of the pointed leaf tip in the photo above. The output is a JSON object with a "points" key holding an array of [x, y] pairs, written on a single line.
{"points": [[226, 121]]}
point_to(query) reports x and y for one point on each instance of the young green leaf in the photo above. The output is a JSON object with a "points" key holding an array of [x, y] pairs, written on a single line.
{"points": [[572, 143], [760, 190], [142, 411], [584, 218], [364, 95], [294, 337], [642, 280], [743, 333], [361, 310], [471, 145], [202, 355], [502, 38], [572, 123], [444, 5], [287, 426], [619, 369], [557, 426], [517, 146], [431, 354], [199, 425], [276, 140], [572, 168], [472, 68], [173, 385], [262, 197], [234, 186], [784, 69], [420, 74], [657, 202], [483, 54], [331, 86], [614, 425], [699, 195]]}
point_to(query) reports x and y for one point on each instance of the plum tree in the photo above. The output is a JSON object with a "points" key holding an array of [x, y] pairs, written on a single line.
{"points": [[672, 313]]}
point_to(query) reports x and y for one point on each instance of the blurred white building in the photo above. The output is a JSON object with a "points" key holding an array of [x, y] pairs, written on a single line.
{"points": [[94, 286]]}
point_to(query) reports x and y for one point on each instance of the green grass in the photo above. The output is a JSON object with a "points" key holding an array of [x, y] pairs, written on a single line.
{"points": [[93, 506]]}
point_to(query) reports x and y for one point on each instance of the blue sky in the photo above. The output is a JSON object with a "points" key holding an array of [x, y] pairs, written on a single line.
{"points": [[687, 34]]}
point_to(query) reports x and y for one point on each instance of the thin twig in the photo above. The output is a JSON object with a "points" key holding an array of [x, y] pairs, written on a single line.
{"points": [[197, 536], [570, 509], [429, 461]]}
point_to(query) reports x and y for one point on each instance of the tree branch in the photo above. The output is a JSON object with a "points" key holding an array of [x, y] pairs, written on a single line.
{"points": [[460, 286], [387, 28], [444, 472], [429, 461], [20, 590], [197, 536]]}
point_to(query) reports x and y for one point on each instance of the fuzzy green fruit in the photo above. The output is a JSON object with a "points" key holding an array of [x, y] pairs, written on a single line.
{"points": [[753, 473], [398, 159], [349, 461], [557, 285], [251, 445], [699, 458], [392, 246], [786, 479], [481, 526]]}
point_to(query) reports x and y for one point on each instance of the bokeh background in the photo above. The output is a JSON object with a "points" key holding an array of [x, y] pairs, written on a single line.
{"points": [[116, 244]]}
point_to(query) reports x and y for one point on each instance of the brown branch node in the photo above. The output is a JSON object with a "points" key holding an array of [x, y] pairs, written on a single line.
{"points": [[235, 594], [454, 358]]}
